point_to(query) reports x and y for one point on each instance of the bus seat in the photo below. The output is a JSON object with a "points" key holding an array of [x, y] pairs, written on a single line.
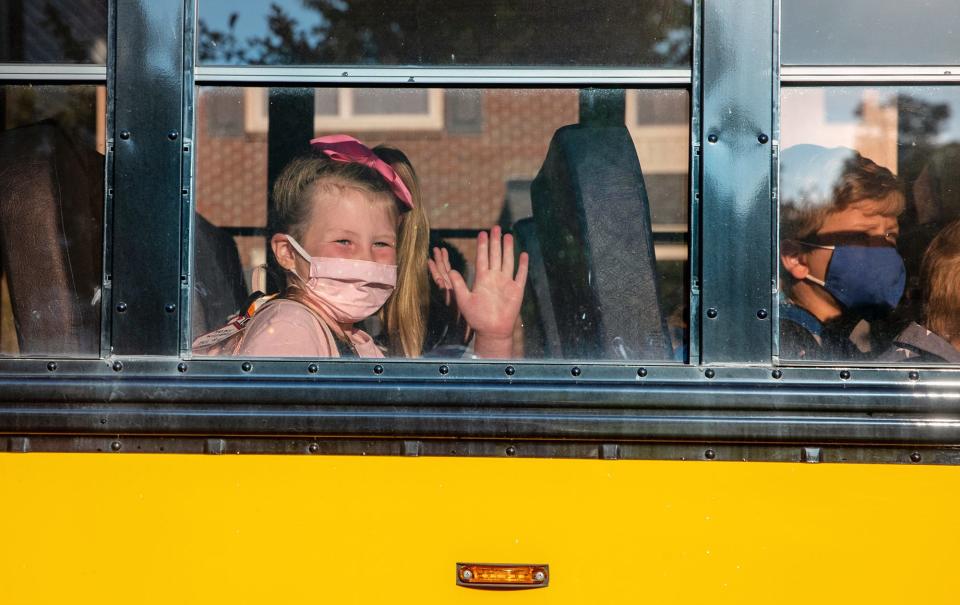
{"points": [[516, 203], [219, 289], [51, 220], [540, 336], [593, 224]]}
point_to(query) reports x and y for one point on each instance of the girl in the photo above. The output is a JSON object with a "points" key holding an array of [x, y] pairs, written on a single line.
{"points": [[338, 212]]}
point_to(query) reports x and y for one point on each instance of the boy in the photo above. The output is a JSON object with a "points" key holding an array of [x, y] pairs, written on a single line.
{"points": [[838, 234]]}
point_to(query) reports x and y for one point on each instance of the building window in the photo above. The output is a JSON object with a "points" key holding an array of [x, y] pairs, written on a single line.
{"points": [[358, 109]]}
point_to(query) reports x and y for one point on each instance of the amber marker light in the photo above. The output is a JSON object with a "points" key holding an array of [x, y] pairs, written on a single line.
{"points": [[495, 575]]}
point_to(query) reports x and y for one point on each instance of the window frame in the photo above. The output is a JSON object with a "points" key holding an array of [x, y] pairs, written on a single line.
{"points": [[716, 398]]}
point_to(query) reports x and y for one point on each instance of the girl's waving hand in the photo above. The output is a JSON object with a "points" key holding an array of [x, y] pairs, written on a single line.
{"points": [[492, 306]]}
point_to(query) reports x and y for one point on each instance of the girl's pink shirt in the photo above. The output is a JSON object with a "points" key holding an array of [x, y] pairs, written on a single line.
{"points": [[285, 328]]}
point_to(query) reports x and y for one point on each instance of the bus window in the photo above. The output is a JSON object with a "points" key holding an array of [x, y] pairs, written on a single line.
{"points": [[51, 219], [53, 31], [502, 33], [869, 244], [867, 32], [483, 158]]}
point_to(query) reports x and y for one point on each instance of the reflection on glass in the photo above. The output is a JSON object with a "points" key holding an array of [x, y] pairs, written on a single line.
{"points": [[476, 160], [51, 219], [53, 31], [435, 32], [868, 32], [870, 196]]}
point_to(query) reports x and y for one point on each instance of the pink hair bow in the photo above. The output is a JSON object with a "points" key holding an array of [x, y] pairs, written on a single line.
{"points": [[343, 148]]}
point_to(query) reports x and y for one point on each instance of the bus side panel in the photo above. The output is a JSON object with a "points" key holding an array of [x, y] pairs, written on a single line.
{"points": [[151, 528]]}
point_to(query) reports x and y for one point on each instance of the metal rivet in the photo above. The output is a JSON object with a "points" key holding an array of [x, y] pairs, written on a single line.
{"points": [[539, 576], [117, 366], [763, 139], [713, 138], [172, 135], [575, 371], [181, 367], [103, 421], [709, 454], [344, 74], [709, 373], [845, 375], [467, 575], [762, 314], [712, 313], [52, 366], [915, 457], [444, 370], [777, 374], [509, 370], [378, 369], [914, 375], [121, 307], [124, 134], [169, 307], [642, 372], [246, 366], [510, 451], [313, 368], [115, 446], [184, 192], [314, 448]]}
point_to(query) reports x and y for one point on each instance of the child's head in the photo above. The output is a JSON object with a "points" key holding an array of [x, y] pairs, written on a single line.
{"points": [[833, 199], [941, 281], [334, 209]]}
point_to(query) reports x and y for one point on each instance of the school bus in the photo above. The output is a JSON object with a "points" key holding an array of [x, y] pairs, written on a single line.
{"points": [[651, 443]]}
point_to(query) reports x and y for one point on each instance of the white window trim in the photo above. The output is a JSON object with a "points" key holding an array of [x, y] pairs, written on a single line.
{"points": [[256, 120]]}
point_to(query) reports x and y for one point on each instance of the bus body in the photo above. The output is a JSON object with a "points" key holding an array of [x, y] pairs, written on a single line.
{"points": [[144, 135]]}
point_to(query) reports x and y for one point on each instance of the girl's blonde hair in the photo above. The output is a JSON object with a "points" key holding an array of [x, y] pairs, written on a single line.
{"points": [[940, 274], [404, 315]]}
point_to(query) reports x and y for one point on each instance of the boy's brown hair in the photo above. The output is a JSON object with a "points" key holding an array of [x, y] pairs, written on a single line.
{"points": [[860, 179], [940, 274]]}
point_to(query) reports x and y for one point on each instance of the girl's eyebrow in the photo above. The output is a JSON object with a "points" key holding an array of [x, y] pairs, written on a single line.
{"points": [[336, 232], [339, 232]]}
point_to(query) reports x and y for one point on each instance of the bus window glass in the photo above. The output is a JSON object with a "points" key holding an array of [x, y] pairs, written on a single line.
{"points": [[53, 31], [869, 232], [868, 32], [51, 219], [501, 33], [597, 207]]}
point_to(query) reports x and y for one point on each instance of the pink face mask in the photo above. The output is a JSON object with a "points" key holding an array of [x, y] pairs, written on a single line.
{"points": [[348, 290]]}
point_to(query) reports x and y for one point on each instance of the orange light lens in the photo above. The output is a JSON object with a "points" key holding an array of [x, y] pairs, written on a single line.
{"points": [[502, 575]]}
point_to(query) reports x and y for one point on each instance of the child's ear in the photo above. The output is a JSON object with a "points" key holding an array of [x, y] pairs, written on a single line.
{"points": [[794, 260], [286, 255]]}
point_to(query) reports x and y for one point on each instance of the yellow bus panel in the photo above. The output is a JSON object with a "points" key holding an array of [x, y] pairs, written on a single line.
{"points": [[151, 528]]}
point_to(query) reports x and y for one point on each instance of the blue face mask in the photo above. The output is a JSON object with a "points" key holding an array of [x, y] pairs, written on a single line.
{"points": [[866, 279]]}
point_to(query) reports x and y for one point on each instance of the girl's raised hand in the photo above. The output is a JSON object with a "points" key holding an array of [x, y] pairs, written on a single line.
{"points": [[492, 306]]}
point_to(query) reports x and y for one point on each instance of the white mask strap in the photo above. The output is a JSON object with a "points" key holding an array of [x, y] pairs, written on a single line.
{"points": [[298, 248], [818, 246], [301, 251], [817, 281]]}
